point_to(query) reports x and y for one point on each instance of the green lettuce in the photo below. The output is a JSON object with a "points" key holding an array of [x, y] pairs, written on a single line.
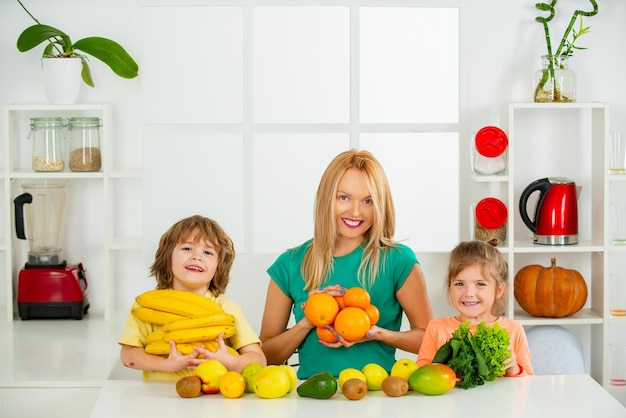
{"points": [[476, 357]]}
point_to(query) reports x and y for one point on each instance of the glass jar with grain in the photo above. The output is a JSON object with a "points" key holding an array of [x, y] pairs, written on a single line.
{"points": [[47, 136], [85, 152]]}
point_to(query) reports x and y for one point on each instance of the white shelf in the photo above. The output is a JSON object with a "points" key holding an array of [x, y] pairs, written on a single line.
{"points": [[582, 130], [16, 167]]}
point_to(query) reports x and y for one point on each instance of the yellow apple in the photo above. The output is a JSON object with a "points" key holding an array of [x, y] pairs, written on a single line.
{"points": [[403, 368], [350, 373], [210, 372], [374, 375]]}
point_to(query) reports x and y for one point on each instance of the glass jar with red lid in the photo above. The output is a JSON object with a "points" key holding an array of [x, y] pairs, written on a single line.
{"points": [[490, 216], [490, 151]]}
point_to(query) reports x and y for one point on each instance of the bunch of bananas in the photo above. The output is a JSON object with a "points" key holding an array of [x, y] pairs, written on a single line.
{"points": [[188, 319]]}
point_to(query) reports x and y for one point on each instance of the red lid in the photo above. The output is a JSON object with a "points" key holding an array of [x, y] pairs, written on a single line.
{"points": [[490, 213], [491, 141]]}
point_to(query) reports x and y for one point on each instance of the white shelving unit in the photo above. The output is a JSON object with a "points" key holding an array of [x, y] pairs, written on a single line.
{"points": [[17, 153], [561, 140]]}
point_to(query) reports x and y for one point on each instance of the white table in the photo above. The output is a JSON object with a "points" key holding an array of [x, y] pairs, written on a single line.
{"points": [[569, 396]]}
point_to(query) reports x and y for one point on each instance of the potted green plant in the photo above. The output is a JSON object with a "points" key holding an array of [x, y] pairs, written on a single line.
{"points": [[60, 47], [554, 82]]}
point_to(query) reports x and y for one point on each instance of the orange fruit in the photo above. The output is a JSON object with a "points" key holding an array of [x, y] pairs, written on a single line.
{"points": [[232, 384], [321, 309], [352, 323], [356, 297], [373, 313], [340, 302], [326, 335]]}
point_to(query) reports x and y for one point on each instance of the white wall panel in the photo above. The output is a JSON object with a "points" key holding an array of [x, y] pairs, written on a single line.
{"points": [[301, 64], [192, 174], [423, 172], [287, 171], [192, 64], [409, 65]]}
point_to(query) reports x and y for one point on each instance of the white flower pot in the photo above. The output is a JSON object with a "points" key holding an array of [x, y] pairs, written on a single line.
{"points": [[62, 79]]}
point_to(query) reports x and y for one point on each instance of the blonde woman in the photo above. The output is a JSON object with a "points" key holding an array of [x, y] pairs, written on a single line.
{"points": [[352, 246]]}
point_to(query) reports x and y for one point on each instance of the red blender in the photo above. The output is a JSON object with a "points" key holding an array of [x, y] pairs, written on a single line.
{"points": [[47, 286]]}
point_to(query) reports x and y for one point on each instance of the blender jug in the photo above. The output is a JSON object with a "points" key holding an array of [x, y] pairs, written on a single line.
{"points": [[41, 209]]}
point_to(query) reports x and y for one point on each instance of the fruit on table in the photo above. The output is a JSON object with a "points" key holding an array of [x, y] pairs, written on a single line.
{"points": [[403, 368], [248, 372], [354, 389], [188, 386], [210, 372], [293, 377], [319, 386], [350, 373], [320, 309], [232, 385], [433, 379], [271, 382], [395, 386], [352, 323], [552, 292], [374, 375]]}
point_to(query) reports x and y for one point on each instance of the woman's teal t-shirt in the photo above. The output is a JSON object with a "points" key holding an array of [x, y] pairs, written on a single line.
{"points": [[315, 357]]}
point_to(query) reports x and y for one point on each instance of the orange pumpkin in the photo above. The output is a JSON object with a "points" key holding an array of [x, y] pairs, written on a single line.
{"points": [[552, 292]]}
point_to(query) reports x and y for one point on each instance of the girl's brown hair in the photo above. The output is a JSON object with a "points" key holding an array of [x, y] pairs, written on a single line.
{"points": [[205, 229], [492, 265], [318, 260]]}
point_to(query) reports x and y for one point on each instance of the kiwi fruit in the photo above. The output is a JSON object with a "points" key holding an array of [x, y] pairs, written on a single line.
{"points": [[188, 386], [395, 386], [354, 389]]}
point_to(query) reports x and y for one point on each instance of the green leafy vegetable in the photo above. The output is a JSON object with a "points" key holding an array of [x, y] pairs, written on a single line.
{"points": [[476, 357]]}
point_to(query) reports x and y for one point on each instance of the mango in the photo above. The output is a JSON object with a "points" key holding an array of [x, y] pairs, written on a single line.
{"points": [[433, 379]]}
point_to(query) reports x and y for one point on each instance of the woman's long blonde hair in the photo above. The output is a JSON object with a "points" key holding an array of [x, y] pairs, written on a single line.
{"points": [[318, 261]]}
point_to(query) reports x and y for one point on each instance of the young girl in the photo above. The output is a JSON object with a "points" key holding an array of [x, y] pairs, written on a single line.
{"points": [[352, 246], [476, 287], [194, 255]]}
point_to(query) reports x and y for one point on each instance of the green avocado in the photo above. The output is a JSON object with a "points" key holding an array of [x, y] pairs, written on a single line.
{"points": [[319, 386]]}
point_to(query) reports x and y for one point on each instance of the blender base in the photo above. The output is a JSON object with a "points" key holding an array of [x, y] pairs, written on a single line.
{"points": [[53, 293]]}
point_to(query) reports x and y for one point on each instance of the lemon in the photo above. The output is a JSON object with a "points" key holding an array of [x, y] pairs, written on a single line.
{"points": [[350, 373], [375, 374], [271, 382], [293, 377]]}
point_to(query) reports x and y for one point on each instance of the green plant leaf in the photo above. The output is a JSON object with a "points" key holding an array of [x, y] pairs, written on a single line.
{"points": [[86, 72], [36, 34], [111, 53]]}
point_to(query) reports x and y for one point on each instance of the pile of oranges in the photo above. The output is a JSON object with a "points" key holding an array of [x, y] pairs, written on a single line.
{"points": [[351, 315]]}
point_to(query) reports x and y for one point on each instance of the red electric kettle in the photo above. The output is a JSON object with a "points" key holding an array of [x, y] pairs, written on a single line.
{"points": [[556, 214]]}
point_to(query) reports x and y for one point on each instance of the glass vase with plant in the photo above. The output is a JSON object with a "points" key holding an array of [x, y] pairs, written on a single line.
{"points": [[554, 82]]}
